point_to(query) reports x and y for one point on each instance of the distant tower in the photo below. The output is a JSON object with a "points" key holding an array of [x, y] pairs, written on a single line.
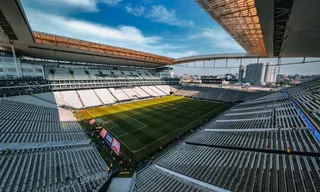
{"points": [[261, 73], [242, 73]]}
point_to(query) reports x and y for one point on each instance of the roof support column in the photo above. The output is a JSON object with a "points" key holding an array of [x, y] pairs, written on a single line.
{"points": [[226, 62], [18, 71], [279, 64]]}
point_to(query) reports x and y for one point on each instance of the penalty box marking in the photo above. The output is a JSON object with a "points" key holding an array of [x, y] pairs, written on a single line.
{"points": [[175, 130]]}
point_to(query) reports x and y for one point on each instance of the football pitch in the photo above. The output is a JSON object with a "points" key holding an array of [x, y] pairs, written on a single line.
{"points": [[144, 126]]}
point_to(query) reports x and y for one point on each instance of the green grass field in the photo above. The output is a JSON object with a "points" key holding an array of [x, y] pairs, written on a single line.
{"points": [[143, 126]]}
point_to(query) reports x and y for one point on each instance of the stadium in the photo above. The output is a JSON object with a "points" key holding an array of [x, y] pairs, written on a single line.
{"points": [[84, 116]]}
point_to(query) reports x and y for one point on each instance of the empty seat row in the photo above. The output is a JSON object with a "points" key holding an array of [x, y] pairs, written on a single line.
{"points": [[164, 88], [308, 95], [149, 91], [119, 94], [243, 124], [154, 179], [278, 113], [219, 94], [87, 74], [266, 114], [21, 126], [89, 98], [18, 115], [52, 169], [22, 107], [297, 140], [40, 137], [283, 103], [243, 170]]}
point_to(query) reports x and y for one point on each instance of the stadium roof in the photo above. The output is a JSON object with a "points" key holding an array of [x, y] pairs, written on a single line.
{"points": [[281, 28], [213, 57], [240, 19], [15, 26]]}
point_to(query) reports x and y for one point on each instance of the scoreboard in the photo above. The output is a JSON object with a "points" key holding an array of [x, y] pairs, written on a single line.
{"points": [[212, 81]]}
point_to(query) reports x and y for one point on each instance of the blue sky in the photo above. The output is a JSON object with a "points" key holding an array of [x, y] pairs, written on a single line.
{"points": [[173, 28]]}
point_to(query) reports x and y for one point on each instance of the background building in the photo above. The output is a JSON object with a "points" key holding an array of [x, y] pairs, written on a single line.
{"points": [[165, 72], [260, 73]]}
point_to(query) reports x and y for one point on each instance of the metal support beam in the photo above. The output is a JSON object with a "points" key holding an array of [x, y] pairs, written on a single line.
{"points": [[226, 62], [279, 64], [15, 61], [303, 60], [282, 11]]}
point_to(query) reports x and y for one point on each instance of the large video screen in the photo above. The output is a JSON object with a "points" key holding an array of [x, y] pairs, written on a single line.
{"points": [[108, 138], [103, 133], [212, 81], [115, 146]]}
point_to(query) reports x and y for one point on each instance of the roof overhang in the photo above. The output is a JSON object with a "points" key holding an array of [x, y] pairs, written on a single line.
{"points": [[240, 19], [302, 33], [210, 57], [290, 28], [282, 28], [47, 46]]}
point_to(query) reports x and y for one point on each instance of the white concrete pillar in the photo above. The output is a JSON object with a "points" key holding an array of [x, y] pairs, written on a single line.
{"points": [[15, 62]]}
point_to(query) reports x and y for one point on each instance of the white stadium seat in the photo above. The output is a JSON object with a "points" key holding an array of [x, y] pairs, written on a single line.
{"points": [[70, 97], [119, 94], [140, 92], [132, 94], [105, 96], [149, 91], [89, 98]]}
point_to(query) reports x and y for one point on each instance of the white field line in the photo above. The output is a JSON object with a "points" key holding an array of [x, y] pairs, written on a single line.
{"points": [[186, 103], [133, 131], [177, 130], [101, 121], [115, 135], [134, 119], [144, 125], [176, 108], [121, 141], [116, 125]]}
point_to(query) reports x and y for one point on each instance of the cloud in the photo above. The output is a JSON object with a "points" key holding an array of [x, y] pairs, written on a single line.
{"points": [[111, 2], [182, 54], [82, 5], [122, 36], [86, 30], [218, 38], [137, 11], [159, 14]]}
